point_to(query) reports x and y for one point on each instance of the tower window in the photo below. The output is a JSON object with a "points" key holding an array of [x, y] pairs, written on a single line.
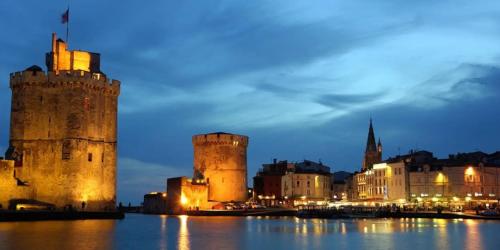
{"points": [[102, 157], [66, 150], [90, 156]]}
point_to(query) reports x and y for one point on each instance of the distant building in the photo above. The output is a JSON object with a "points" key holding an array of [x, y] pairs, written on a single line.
{"points": [[420, 179], [464, 179], [373, 151], [268, 182], [155, 203], [341, 183], [283, 183]]}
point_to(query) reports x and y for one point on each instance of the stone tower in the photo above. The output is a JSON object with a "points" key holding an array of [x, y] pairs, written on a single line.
{"points": [[373, 151], [63, 132], [221, 159]]}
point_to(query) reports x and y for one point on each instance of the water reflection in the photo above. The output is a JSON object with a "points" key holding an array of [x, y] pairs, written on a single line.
{"points": [[183, 232], [163, 232], [473, 239], [84, 234]]}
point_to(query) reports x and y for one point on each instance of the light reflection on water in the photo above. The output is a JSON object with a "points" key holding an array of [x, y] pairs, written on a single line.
{"points": [[183, 232]]}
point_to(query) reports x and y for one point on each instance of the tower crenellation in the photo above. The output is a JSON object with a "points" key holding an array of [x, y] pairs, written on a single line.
{"points": [[220, 139], [65, 79]]}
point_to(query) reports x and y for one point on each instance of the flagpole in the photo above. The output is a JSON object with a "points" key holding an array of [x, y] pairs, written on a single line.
{"points": [[67, 29]]}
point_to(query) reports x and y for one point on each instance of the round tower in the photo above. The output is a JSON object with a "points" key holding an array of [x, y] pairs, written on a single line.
{"points": [[221, 159], [63, 131]]}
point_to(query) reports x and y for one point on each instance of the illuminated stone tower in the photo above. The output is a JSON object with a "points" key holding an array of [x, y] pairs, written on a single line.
{"points": [[373, 151], [63, 132], [221, 159]]}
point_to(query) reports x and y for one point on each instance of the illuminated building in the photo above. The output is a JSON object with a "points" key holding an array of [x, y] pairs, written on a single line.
{"points": [[221, 159], [420, 179], [62, 147], [283, 183], [185, 194], [465, 179]]}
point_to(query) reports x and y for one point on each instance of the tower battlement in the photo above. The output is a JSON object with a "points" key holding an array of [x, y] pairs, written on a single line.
{"points": [[220, 139], [65, 78]]}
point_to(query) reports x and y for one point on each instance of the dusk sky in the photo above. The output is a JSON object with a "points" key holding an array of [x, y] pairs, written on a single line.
{"points": [[300, 78]]}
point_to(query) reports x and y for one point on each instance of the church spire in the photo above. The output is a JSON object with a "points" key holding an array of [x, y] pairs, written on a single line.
{"points": [[373, 151], [371, 146]]}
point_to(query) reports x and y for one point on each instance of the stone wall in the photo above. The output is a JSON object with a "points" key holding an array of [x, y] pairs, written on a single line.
{"points": [[8, 184]]}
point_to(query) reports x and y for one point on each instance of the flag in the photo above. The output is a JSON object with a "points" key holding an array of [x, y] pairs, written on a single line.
{"points": [[65, 16]]}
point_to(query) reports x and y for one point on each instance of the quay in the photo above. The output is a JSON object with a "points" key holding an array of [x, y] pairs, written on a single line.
{"points": [[10, 216], [374, 212], [242, 212]]}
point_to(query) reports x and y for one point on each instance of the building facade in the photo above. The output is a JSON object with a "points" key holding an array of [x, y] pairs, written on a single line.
{"points": [[301, 183], [462, 180], [419, 179], [62, 133]]}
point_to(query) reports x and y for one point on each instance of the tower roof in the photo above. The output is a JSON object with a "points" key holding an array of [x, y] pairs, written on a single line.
{"points": [[370, 143]]}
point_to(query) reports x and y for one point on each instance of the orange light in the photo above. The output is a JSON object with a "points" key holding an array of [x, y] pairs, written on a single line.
{"points": [[440, 178], [469, 171], [184, 200]]}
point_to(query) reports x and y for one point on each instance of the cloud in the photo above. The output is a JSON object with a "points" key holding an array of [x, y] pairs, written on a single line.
{"points": [[300, 78], [136, 178]]}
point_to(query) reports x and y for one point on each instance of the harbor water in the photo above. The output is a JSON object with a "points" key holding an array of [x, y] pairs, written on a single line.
{"points": [[139, 231]]}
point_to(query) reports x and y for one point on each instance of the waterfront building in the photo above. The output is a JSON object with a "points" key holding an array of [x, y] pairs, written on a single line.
{"points": [[184, 194], [463, 180], [268, 182], [221, 159], [155, 203], [420, 179], [62, 145], [293, 184]]}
